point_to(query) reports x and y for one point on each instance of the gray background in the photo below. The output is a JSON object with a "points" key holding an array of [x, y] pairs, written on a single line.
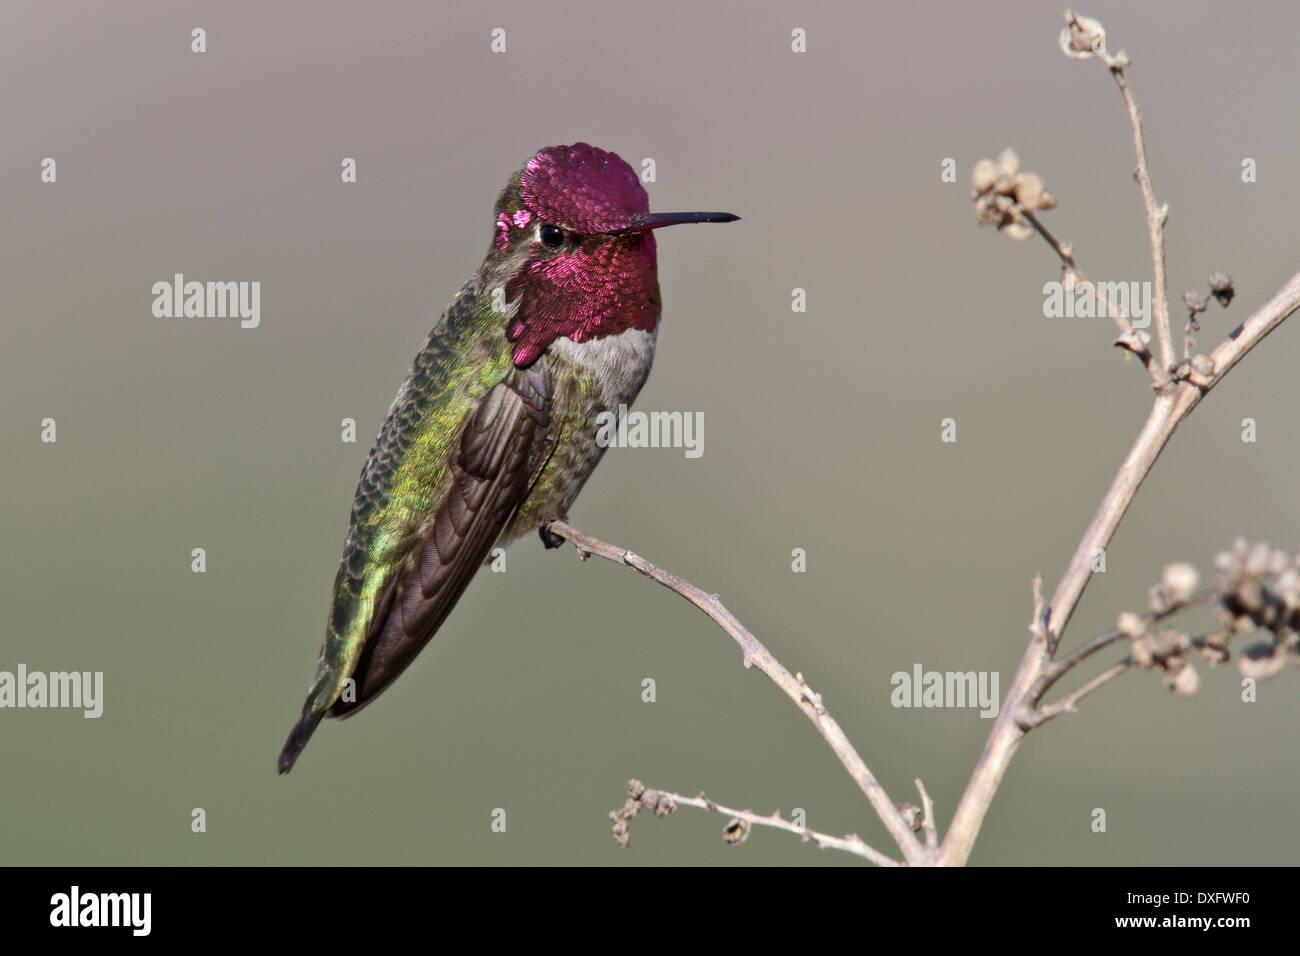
{"points": [[822, 429]]}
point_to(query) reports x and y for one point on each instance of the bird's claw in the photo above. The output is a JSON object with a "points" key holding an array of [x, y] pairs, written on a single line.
{"points": [[549, 538]]}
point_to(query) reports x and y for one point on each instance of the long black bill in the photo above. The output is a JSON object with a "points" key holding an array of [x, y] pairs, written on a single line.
{"points": [[657, 219]]}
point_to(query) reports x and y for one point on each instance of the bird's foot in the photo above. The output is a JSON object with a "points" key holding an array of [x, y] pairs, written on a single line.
{"points": [[549, 538]]}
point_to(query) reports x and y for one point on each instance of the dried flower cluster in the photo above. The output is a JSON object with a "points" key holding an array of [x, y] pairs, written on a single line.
{"points": [[1003, 194], [1257, 588], [639, 797], [1164, 648], [1082, 37], [1221, 290]]}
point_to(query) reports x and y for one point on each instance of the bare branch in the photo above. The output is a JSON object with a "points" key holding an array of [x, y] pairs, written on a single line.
{"points": [[1070, 267], [1157, 216], [1168, 410], [1129, 338], [756, 655], [663, 802], [1084, 38], [1067, 704]]}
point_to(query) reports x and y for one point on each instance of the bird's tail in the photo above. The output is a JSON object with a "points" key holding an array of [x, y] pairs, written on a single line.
{"points": [[298, 738]]}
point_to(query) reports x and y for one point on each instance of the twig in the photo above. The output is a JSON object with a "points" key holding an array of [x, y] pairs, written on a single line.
{"points": [[850, 843], [1070, 267], [756, 655], [1072, 275], [1157, 216], [927, 821], [1084, 38], [1067, 704]]}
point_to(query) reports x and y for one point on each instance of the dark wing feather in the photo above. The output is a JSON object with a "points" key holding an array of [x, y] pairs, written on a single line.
{"points": [[502, 448]]}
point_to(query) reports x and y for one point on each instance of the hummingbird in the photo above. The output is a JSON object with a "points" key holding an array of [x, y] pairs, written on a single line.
{"points": [[494, 431]]}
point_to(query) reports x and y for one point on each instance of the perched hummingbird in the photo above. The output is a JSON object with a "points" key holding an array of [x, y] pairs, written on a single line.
{"points": [[493, 433]]}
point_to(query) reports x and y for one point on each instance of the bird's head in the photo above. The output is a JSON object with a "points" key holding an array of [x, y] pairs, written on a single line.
{"points": [[575, 247]]}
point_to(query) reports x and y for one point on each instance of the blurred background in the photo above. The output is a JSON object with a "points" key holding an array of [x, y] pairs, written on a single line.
{"points": [[822, 428]]}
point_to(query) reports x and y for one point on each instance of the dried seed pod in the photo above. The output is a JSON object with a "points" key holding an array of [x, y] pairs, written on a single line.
{"points": [[736, 831], [1185, 682], [1179, 582]]}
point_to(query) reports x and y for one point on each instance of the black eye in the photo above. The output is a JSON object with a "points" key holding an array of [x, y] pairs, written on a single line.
{"points": [[552, 236]]}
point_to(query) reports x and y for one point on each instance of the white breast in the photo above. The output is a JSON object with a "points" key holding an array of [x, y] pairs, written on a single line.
{"points": [[621, 362]]}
